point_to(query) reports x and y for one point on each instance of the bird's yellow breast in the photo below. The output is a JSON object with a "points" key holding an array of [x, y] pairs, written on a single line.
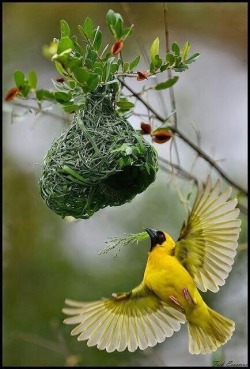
{"points": [[166, 276]]}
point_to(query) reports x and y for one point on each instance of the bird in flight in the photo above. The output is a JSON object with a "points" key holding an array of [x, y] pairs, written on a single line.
{"points": [[168, 295]]}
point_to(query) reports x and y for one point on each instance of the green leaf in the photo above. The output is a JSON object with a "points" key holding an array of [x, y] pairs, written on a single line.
{"points": [[129, 150], [65, 44], [32, 79], [167, 84], [98, 68], [176, 49], [125, 105], [98, 71], [90, 57], [178, 61], [72, 85], [97, 39], [73, 63], [62, 58], [164, 67], [19, 78], [88, 28], [77, 47], [106, 57], [114, 68], [106, 71], [65, 30], [154, 49], [81, 75], [93, 82], [104, 50], [118, 17], [82, 32], [125, 148], [119, 62], [119, 29], [141, 145], [181, 68], [110, 17], [127, 32], [192, 58], [98, 64], [152, 68], [45, 95], [70, 108], [170, 59], [62, 96], [113, 31], [125, 67], [25, 90], [185, 51], [134, 63], [158, 61], [115, 24], [59, 68]]}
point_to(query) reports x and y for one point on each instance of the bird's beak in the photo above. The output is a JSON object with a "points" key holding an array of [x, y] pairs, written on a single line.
{"points": [[153, 236]]}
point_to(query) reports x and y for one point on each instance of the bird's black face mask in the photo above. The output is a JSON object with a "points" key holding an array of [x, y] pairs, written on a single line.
{"points": [[157, 237]]}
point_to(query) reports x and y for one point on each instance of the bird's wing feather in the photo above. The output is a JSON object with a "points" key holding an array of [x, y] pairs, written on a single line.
{"points": [[137, 319], [207, 243]]}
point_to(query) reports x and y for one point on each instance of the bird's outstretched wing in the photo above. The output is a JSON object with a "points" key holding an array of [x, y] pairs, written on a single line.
{"points": [[207, 243], [127, 320]]}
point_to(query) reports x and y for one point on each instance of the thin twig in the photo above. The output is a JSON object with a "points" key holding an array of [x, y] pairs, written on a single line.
{"points": [[36, 110], [138, 36], [182, 171], [184, 138], [189, 176], [171, 90]]}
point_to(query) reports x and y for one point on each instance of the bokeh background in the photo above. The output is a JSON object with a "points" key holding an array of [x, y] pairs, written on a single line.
{"points": [[46, 259]]}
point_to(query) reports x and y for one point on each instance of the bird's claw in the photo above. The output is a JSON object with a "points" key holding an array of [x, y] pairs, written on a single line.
{"points": [[121, 295], [187, 296], [176, 302]]}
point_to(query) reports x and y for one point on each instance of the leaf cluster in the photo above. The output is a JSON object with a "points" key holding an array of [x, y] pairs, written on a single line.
{"points": [[115, 25], [86, 64], [177, 59]]}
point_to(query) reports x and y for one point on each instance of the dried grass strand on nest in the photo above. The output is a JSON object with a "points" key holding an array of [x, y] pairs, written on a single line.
{"points": [[99, 161]]}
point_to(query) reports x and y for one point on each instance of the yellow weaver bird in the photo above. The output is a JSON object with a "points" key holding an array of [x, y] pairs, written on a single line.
{"points": [[202, 257]]}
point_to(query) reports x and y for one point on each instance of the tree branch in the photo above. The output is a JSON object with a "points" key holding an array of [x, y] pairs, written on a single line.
{"points": [[181, 171], [171, 89], [184, 174], [196, 148], [169, 71]]}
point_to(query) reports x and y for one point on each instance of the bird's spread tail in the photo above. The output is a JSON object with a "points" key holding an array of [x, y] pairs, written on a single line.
{"points": [[206, 339]]}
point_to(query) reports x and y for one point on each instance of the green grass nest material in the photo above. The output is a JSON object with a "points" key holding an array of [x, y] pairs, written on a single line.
{"points": [[99, 160]]}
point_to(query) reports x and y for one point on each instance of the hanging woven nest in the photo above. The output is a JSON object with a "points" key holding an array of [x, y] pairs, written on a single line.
{"points": [[99, 161]]}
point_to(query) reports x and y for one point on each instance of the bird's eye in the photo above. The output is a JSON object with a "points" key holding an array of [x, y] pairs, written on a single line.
{"points": [[160, 237]]}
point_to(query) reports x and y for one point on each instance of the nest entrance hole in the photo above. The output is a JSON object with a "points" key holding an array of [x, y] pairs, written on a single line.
{"points": [[126, 179]]}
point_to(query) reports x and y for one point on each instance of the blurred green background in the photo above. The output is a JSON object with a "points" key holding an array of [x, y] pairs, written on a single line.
{"points": [[46, 259]]}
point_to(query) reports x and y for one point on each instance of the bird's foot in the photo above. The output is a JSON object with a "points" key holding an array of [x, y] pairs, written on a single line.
{"points": [[176, 302], [121, 295], [187, 296]]}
